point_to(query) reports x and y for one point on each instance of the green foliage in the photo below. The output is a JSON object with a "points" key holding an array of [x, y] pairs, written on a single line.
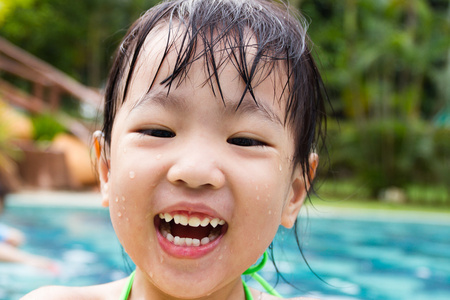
{"points": [[420, 196], [383, 59], [387, 67], [391, 152], [46, 127], [7, 6], [78, 37]]}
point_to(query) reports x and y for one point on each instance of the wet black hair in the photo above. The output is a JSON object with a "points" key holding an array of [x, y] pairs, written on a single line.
{"points": [[220, 31]]}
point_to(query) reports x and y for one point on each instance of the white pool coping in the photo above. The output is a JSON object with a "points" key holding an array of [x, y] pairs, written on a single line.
{"points": [[376, 214], [55, 199], [321, 210]]}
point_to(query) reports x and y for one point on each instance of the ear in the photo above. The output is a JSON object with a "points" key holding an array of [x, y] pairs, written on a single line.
{"points": [[298, 191], [103, 167]]}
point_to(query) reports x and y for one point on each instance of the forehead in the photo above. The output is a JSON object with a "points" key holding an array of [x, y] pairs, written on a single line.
{"points": [[170, 56]]}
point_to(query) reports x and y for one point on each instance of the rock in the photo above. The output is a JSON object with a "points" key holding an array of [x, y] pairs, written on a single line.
{"points": [[393, 195], [78, 158]]}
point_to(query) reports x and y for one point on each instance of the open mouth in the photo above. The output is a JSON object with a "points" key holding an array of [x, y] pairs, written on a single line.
{"points": [[183, 229]]}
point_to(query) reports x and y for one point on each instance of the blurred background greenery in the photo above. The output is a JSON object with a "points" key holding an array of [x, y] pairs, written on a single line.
{"points": [[386, 65]]}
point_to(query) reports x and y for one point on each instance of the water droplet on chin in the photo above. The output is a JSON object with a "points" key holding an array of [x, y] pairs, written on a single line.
{"points": [[161, 259], [280, 167], [132, 175], [123, 198], [257, 197], [119, 214], [220, 257], [117, 199], [270, 212]]}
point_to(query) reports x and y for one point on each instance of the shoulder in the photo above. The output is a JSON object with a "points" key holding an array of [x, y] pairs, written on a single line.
{"points": [[97, 292], [52, 292]]}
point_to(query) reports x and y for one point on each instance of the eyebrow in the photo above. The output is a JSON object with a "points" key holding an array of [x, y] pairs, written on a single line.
{"points": [[247, 106]]}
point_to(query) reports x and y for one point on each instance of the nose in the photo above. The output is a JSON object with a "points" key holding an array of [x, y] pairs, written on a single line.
{"points": [[196, 167]]}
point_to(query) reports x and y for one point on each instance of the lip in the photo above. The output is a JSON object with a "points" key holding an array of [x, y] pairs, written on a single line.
{"points": [[188, 252], [193, 209]]}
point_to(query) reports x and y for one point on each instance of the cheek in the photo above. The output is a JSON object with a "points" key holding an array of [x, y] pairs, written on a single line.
{"points": [[267, 190], [264, 197], [136, 172], [134, 177]]}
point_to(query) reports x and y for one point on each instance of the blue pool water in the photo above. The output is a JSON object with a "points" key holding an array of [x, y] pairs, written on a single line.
{"points": [[359, 257]]}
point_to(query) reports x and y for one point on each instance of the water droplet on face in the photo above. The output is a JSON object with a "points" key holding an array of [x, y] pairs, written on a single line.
{"points": [[105, 187], [257, 187], [119, 214], [220, 257], [270, 212], [257, 197], [158, 156], [117, 199], [123, 198], [132, 175], [161, 259], [127, 219], [280, 168]]}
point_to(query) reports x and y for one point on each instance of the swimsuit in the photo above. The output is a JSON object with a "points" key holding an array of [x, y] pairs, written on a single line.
{"points": [[248, 295]]}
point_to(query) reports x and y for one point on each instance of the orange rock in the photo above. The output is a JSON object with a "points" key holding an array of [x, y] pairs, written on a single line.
{"points": [[77, 156]]}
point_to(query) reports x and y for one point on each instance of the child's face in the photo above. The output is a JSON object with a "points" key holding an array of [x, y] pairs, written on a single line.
{"points": [[186, 155]]}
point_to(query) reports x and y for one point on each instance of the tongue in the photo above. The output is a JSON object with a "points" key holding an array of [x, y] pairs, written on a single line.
{"points": [[189, 232]]}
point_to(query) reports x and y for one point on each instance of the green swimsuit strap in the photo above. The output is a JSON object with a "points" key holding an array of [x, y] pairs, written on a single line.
{"points": [[126, 291], [248, 295], [252, 271]]}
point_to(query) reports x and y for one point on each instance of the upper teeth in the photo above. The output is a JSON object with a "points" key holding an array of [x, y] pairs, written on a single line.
{"points": [[191, 220]]}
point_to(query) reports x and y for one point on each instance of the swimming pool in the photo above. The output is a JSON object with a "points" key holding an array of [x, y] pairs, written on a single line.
{"points": [[385, 258]]}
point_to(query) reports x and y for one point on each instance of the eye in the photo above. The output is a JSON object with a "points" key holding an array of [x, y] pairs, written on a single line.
{"points": [[245, 142], [159, 133]]}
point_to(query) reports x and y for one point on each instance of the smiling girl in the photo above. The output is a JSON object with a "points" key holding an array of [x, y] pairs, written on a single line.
{"points": [[212, 112]]}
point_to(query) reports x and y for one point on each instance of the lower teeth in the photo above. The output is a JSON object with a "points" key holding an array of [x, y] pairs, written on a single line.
{"points": [[179, 241]]}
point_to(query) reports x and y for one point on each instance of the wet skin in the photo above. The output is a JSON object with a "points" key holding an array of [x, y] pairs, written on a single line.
{"points": [[187, 154]]}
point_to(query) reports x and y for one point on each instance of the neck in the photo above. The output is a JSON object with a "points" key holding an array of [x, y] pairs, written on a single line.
{"points": [[145, 288]]}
